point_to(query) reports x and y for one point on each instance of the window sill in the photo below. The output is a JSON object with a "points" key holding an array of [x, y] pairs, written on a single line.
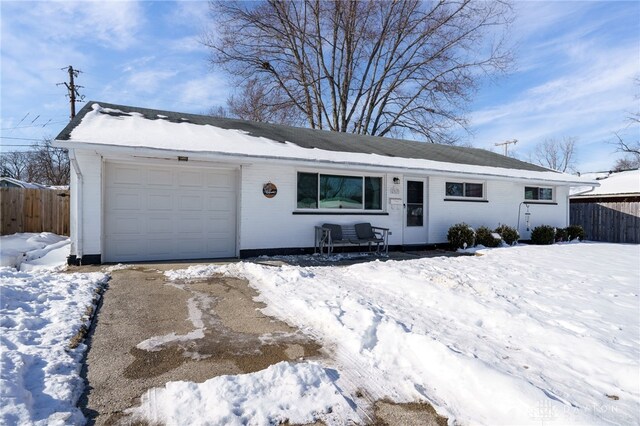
{"points": [[464, 200], [339, 213], [549, 203]]}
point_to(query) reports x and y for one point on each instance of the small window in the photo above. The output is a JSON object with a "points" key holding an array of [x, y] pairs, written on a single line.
{"points": [[339, 192], [464, 189], [538, 193]]}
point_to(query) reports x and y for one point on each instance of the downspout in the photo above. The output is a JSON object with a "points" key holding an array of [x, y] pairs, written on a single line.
{"points": [[79, 223]]}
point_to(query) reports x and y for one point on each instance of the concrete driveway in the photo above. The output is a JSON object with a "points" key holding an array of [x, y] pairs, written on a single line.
{"points": [[149, 331]]}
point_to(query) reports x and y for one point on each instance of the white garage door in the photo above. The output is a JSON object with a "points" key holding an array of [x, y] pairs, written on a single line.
{"points": [[164, 213]]}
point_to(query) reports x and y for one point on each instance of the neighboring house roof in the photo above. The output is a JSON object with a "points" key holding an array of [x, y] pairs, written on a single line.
{"points": [[130, 127], [8, 182], [614, 184]]}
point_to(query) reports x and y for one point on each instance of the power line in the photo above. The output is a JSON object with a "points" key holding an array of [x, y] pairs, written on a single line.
{"points": [[34, 125], [20, 139]]}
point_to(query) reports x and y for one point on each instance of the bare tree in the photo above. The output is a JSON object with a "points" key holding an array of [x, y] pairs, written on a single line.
{"points": [[556, 154], [51, 164], [15, 164], [627, 163], [367, 67], [257, 102], [42, 164], [632, 148]]}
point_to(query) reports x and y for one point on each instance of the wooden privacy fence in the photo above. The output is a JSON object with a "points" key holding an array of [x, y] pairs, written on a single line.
{"points": [[34, 210], [615, 221]]}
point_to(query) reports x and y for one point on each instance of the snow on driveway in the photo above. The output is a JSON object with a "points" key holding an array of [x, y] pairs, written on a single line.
{"points": [[40, 311], [521, 335]]}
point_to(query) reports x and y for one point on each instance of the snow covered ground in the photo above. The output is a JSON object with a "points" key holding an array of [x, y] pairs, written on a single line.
{"points": [[521, 335], [31, 251], [41, 310]]}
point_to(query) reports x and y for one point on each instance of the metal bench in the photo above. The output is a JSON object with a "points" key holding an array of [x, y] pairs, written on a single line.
{"points": [[330, 235]]}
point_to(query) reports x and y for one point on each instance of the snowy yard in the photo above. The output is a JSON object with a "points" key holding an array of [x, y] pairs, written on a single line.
{"points": [[523, 335], [41, 310]]}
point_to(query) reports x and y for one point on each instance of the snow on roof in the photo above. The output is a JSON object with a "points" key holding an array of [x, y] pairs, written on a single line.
{"points": [[128, 127], [23, 184], [616, 183]]}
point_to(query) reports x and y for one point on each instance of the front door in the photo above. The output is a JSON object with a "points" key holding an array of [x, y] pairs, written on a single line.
{"points": [[415, 219]]}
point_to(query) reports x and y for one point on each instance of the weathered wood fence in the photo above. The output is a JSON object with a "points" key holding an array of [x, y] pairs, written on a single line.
{"points": [[614, 221], [34, 210]]}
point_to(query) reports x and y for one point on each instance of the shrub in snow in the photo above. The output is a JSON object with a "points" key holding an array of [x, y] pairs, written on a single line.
{"points": [[484, 236], [461, 236], [509, 235], [575, 231], [543, 235], [561, 234]]}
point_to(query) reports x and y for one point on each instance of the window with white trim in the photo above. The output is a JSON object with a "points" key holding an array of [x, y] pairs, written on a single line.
{"points": [[464, 190], [325, 191], [538, 193]]}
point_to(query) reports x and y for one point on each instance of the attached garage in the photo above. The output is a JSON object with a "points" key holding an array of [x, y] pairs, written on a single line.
{"points": [[168, 212]]}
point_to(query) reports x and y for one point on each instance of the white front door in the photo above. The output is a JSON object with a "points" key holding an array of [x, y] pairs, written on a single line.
{"points": [[168, 212], [415, 218]]}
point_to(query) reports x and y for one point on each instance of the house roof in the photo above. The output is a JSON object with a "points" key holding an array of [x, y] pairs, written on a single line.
{"points": [[113, 125], [614, 184], [16, 183]]}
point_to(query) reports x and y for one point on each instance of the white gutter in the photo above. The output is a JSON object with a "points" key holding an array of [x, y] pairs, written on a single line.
{"points": [[79, 222], [135, 150]]}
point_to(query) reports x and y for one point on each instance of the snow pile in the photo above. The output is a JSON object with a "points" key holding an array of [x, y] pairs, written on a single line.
{"points": [[31, 251], [99, 126], [40, 312], [297, 393], [524, 335]]}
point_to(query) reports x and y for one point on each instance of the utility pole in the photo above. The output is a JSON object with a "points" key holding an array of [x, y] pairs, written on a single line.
{"points": [[72, 88], [506, 144]]}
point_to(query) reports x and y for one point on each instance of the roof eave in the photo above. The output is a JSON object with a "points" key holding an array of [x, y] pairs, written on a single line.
{"points": [[244, 158]]}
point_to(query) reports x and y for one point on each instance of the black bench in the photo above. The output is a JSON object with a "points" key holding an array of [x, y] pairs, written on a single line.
{"points": [[330, 235]]}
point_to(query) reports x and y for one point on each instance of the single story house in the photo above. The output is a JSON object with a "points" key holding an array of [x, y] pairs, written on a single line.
{"points": [[159, 185], [610, 212]]}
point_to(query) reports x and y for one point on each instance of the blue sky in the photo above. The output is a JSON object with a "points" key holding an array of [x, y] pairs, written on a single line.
{"points": [[574, 72]]}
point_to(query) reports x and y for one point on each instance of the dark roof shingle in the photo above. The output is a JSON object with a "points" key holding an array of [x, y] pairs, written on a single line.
{"points": [[323, 139]]}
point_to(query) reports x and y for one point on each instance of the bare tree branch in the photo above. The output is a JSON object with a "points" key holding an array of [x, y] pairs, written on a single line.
{"points": [[379, 68], [556, 154]]}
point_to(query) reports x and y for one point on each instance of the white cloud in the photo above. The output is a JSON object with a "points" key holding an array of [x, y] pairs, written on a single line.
{"points": [[112, 23], [573, 82], [149, 81], [207, 91]]}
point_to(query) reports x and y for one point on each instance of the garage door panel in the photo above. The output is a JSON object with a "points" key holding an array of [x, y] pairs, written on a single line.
{"points": [[159, 202], [193, 246], [156, 213], [126, 225], [218, 180], [190, 202], [190, 179], [159, 248], [191, 225], [159, 225], [220, 203], [126, 248], [126, 175], [159, 177], [124, 200]]}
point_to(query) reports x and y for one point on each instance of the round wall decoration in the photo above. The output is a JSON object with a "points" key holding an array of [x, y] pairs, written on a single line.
{"points": [[269, 190]]}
